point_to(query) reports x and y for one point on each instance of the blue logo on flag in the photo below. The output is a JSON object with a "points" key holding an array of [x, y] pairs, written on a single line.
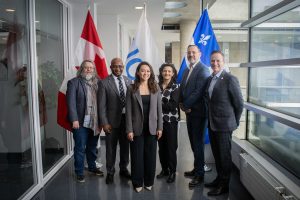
{"points": [[131, 60], [205, 39]]}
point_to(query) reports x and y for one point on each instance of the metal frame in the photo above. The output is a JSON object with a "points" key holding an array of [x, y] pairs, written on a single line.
{"points": [[277, 116], [271, 63], [272, 12]]}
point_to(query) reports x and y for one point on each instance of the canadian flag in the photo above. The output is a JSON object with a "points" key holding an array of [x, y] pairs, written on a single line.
{"points": [[88, 47]]}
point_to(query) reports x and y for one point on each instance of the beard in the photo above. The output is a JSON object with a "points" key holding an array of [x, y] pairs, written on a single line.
{"points": [[87, 77]]}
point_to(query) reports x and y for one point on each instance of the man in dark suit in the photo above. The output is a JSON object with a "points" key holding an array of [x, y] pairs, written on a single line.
{"points": [[192, 103], [225, 107], [111, 102]]}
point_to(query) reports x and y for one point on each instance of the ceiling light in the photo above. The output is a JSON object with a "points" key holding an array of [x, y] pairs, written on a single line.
{"points": [[37, 21], [139, 7], [171, 14], [9, 10], [174, 5]]}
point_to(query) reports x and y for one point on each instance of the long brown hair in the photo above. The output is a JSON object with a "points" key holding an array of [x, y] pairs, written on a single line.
{"points": [[152, 85]]}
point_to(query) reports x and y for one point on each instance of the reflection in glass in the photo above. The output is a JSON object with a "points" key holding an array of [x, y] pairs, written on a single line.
{"points": [[276, 88], [278, 38], [279, 141], [49, 43], [16, 170]]}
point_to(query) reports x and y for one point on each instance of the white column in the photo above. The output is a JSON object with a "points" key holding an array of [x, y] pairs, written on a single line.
{"points": [[187, 28]]}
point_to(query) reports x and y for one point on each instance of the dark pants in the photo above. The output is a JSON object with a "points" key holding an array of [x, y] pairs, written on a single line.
{"points": [[85, 143], [196, 130], [111, 141], [168, 144], [143, 160], [221, 149]]}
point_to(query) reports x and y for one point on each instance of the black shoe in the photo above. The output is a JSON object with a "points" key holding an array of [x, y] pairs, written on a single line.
{"points": [[171, 178], [80, 178], [125, 174], [162, 174], [189, 173], [109, 179], [218, 191], [96, 172], [214, 183], [196, 181]]}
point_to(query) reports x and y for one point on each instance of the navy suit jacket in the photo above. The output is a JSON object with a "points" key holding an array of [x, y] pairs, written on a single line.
{"points": [[109, 102], [192, 90], [76, 100], [225, 106]]}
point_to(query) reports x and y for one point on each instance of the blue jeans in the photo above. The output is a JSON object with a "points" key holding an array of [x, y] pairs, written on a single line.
{"points": [[85, 143], [196, 130]]}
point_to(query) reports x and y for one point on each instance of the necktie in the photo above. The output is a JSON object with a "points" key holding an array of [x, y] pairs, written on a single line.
{"points": [[121, 90]]}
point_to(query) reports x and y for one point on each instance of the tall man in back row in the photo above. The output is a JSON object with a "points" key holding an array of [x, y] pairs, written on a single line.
{"points": [[111, 102], [192, 103], [225, 107]]}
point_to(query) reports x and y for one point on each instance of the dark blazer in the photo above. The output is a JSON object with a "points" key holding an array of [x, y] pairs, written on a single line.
{"points": [[109, 102], [135, 116], [76, 99], [225, 106], [192, 90]]}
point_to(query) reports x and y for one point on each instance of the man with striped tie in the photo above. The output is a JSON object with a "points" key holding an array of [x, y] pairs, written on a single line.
{"points": [[111, 112]]}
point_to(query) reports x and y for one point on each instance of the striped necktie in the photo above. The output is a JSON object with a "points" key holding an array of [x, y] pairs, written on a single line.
{"points": [[121, 90]]}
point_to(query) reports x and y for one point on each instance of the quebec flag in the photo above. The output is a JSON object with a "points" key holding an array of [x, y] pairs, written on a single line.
{"points": [[205, 39], [143, 48]]}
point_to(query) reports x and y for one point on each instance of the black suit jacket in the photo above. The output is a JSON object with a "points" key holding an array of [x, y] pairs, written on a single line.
{"points": [[192, 90], [225, 106], [109, 102]]}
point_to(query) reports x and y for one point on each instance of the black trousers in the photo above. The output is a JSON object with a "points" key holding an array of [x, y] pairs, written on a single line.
{"points": [[196, 128], [143, 159], [168, 144], [221, 149], [111, 141]]}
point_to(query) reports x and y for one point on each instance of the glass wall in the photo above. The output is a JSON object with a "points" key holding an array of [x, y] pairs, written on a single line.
{"points": [[276, 88], [280, 142], [49, 43], [16, 135], [277, 38]]}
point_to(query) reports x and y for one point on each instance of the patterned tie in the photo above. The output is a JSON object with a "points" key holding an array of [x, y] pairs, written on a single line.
{"points": [[121, 90]]}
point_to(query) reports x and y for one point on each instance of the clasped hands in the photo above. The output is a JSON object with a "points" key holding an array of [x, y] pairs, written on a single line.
{"points": [[187, 111]]}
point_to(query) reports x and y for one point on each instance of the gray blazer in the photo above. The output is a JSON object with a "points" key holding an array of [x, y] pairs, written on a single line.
{"points": [[134, 112], [225, 106], [76, 100], [109, 102]]}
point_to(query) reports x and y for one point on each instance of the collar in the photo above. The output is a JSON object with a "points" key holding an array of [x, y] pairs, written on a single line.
{"points": [[218, 74], [194, 64], [116, 77]]}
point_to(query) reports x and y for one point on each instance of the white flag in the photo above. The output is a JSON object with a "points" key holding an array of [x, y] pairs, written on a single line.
{"points": [[143, 48]]}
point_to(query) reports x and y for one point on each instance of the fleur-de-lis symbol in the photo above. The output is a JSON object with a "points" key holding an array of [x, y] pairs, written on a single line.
{"points": [[203, 39]]}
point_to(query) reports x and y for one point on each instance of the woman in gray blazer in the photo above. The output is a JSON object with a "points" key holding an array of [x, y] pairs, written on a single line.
{"points": [[143, 125]]}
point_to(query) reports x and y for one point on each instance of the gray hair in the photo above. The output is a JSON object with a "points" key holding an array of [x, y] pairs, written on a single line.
{"points": [[79, 72]]}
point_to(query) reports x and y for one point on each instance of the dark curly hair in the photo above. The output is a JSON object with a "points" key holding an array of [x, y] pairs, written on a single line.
{"points": [[160, 77], [152, 84]]}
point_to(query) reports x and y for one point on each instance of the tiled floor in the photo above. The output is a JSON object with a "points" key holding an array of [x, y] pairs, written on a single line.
{"points": [[64, 186]]}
